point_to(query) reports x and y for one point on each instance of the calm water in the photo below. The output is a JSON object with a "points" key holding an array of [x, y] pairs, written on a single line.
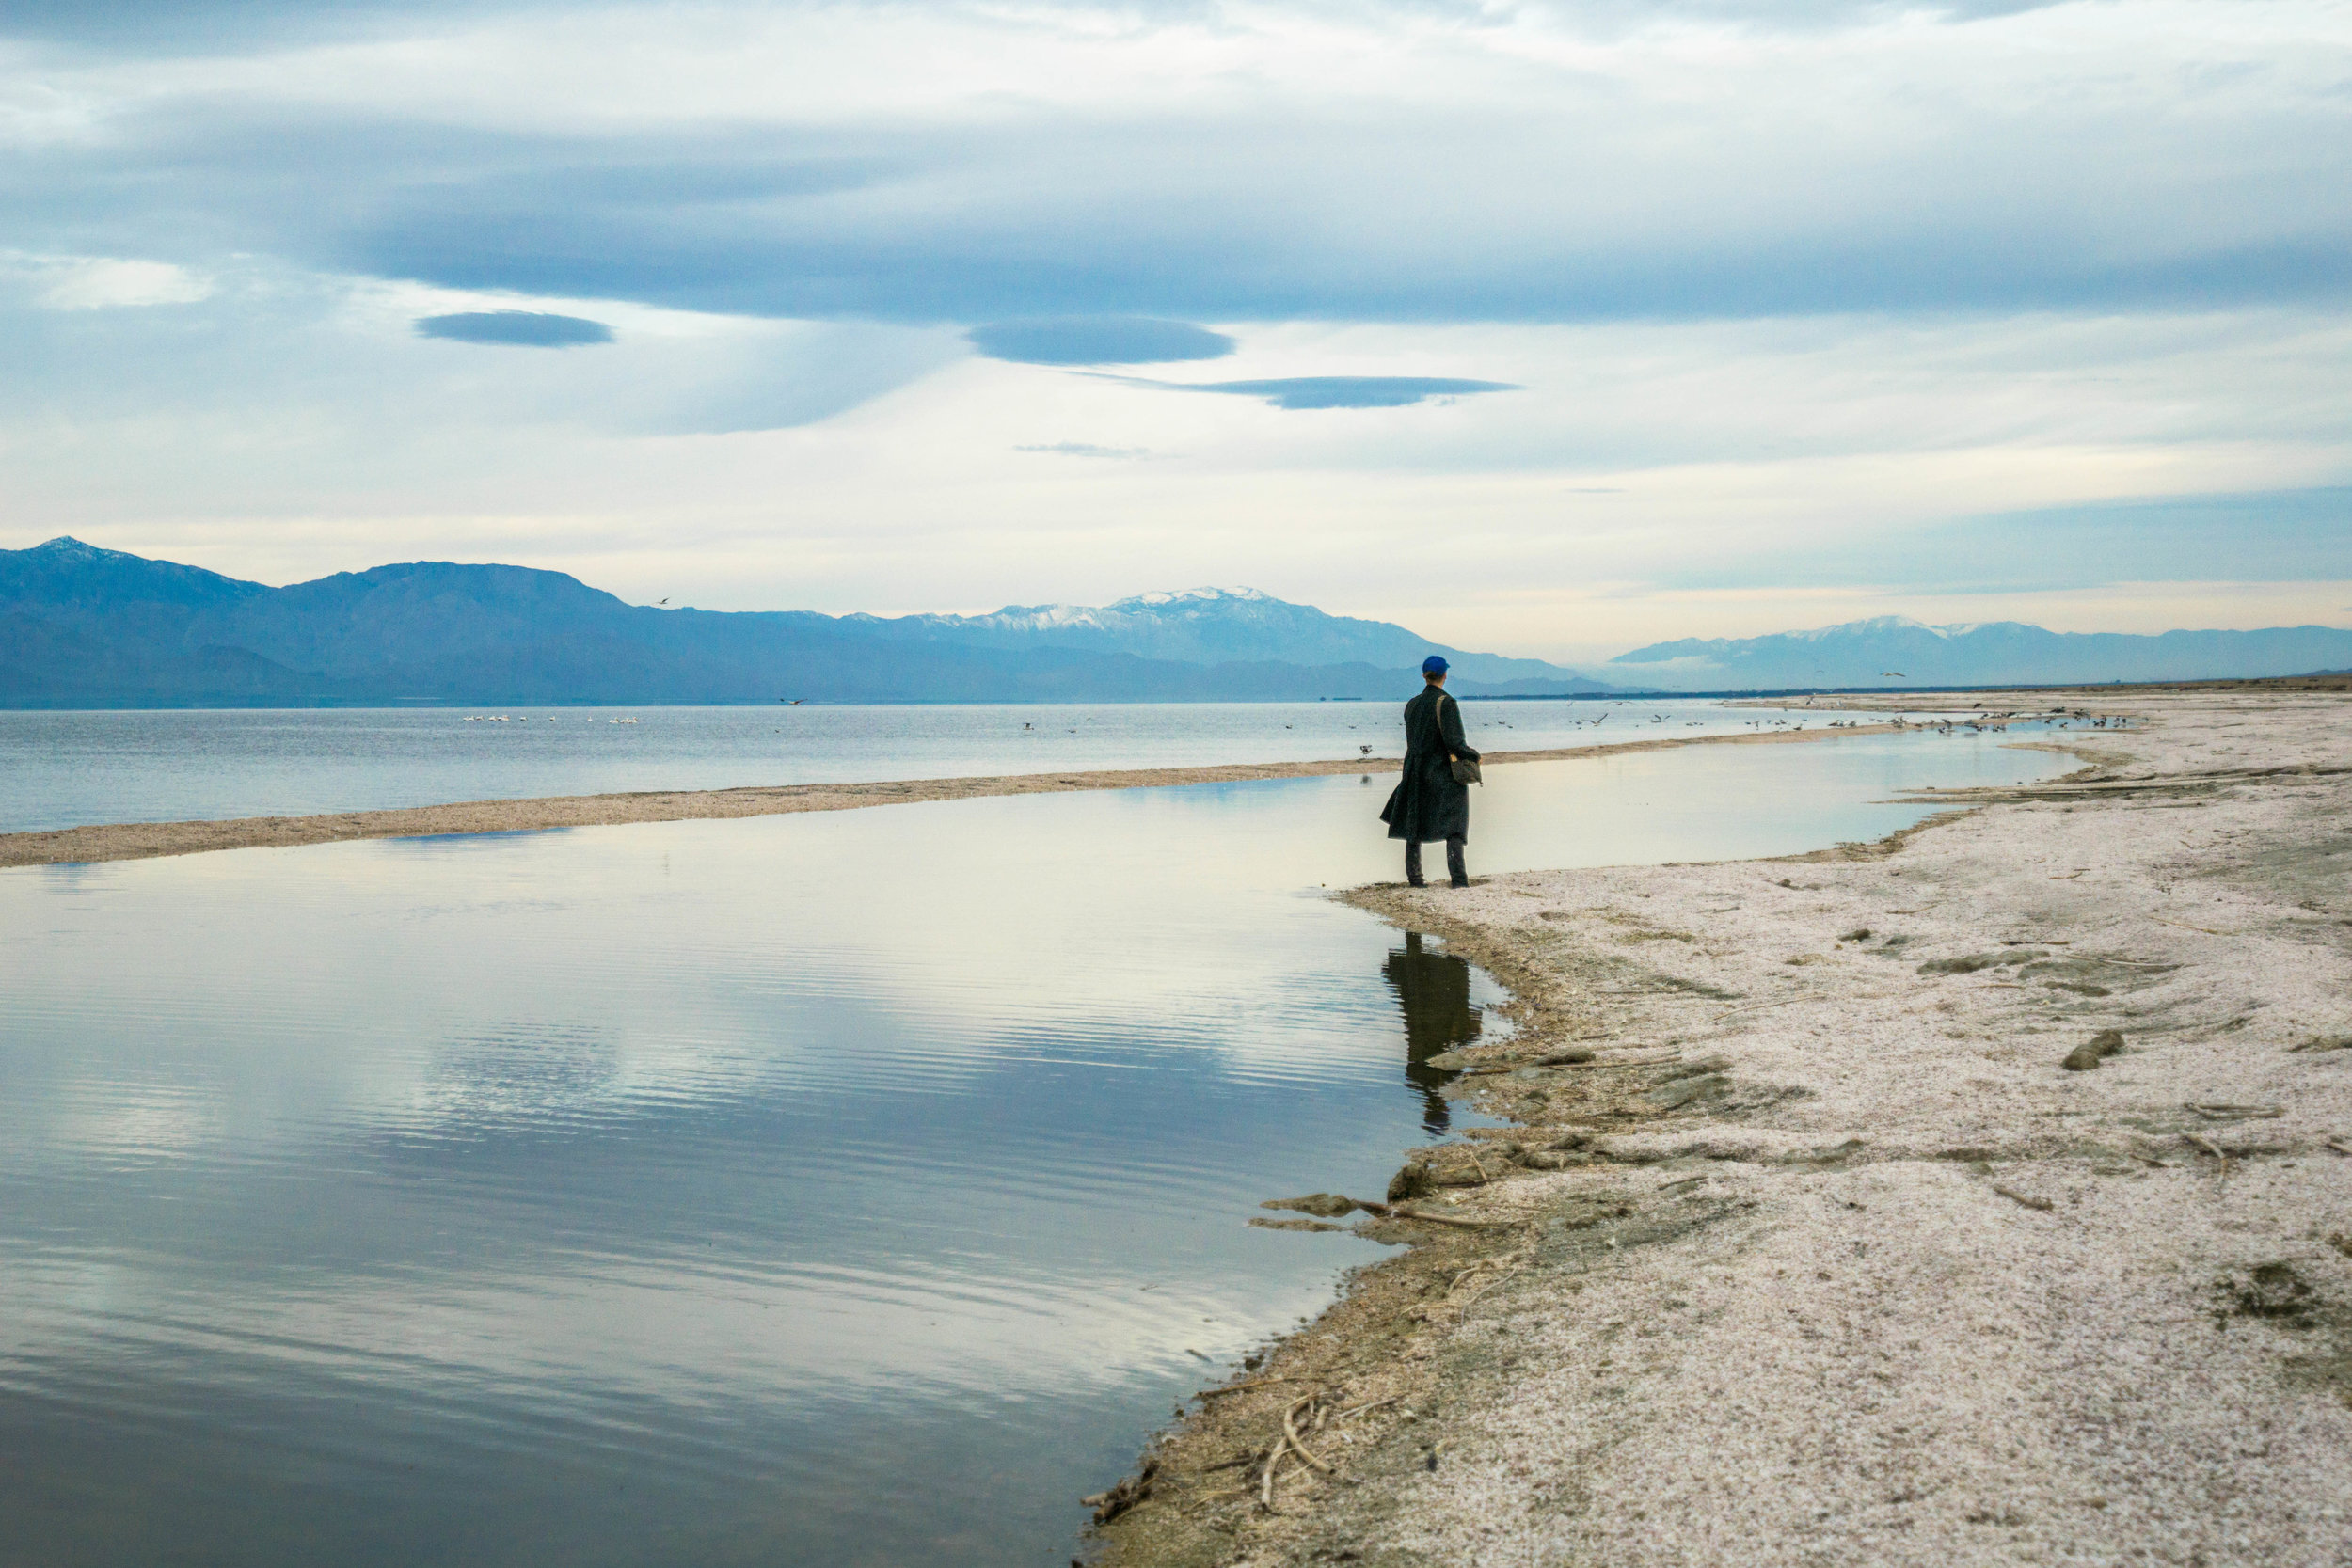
{"points": [[846, 1189], [60, 770]]}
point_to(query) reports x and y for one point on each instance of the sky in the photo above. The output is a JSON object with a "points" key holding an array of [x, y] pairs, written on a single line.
{"points": [[1550, 330]]}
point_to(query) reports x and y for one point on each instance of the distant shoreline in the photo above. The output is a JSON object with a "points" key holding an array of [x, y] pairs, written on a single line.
{"points": [[2324, 680], [127, 841]]}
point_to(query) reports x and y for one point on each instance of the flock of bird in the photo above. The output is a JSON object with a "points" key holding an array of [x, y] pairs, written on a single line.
{"points": [[1986, 721]]}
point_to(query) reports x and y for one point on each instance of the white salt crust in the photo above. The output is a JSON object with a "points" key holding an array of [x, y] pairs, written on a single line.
{"points": [[1884, 1359]]}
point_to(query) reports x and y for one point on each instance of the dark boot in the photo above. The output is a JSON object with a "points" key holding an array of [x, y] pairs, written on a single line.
{"points": [[1455, 867], [1412, 864]]}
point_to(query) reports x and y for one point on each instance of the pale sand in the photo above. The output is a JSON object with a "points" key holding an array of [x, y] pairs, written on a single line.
{"points": [[1864, 1276], [145, 840]]}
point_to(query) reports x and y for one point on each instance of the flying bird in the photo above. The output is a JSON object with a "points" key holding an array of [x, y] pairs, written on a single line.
{"points": [[661, 601], [1893, 676]]}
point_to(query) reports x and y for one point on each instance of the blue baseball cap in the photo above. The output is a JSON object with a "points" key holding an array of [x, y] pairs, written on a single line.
{"points": [[1433, 665]]}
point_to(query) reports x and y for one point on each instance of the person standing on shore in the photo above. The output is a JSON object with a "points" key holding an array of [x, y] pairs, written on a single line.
{"points": [[1428, 801]]}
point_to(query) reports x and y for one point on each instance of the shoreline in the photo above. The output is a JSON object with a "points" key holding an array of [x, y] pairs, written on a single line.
{"points": [[124, 841], [1826, 1222]]}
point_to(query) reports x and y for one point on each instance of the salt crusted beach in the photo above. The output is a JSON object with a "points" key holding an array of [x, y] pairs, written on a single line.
{"points": [[1980, 1196]]}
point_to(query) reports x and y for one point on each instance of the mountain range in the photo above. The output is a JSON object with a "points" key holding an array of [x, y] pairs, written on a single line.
{"points": [[1210, 625], [82, 626], [1893, 651]]}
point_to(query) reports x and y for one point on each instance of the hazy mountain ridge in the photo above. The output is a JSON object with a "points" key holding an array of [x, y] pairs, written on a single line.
{"points": [[1207, 624], [1894, 650], [83, 627]]}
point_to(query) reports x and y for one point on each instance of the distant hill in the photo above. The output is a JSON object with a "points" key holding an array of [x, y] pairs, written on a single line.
{"points": [[1893, 651], [86, 627], [1207, 625]]}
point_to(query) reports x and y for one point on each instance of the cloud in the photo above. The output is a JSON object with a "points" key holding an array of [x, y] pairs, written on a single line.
{"points": [[101, 283], [1334, 391], [168, 29], [1615, 161], [327, 363], [1086, 448], [517, 328], [164, 28], [1099, 340]]}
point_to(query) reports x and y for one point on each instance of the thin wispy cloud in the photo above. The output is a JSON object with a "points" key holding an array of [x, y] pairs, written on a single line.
{"points": [[1332, 391], [1113, 340], [1084, 449]]}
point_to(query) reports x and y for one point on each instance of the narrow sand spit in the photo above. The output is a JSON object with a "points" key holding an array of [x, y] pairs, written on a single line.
{"points": [[128, 841], [1824, 1257]]}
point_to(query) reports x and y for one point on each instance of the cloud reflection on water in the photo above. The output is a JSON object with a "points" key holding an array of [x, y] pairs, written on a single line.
{"points": [[752, 1163]]}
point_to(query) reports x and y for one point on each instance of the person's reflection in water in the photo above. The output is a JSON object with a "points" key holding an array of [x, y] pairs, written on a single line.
{"points": [[1433, 990]]}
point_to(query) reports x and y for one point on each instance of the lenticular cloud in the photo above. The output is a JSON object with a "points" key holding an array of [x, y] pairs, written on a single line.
{"points": [[516, 329]]}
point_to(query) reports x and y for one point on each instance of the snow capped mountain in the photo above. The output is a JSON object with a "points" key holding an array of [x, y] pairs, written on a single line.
{"points": [[1181, 596], [1227, 625], [65, 568], [1877, 624]]}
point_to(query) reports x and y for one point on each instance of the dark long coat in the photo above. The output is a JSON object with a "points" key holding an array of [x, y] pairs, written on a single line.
{"points": [[1426, 803]]}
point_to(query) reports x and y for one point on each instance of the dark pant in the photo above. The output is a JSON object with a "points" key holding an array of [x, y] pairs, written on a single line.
{"points": [[1454, 864]]}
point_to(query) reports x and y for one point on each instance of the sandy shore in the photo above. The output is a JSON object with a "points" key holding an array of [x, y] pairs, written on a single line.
{"points": [[146, 840], [1826, 1256]]}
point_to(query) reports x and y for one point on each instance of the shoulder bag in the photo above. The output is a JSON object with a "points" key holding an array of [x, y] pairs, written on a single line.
{"points": [[1465, 769]]}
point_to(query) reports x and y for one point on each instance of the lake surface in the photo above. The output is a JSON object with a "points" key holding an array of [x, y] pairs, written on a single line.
{"points": [[63, 769], [856, 1188]]}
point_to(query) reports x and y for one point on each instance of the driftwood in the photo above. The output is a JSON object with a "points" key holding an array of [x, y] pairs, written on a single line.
{"points": [[1286, 1444], [2041, 1205], [1645, 1061], [1290, 1435], [1248, 1456], [1238, 1388], [1502, 1268], [1119, 1499], [1398, 1211], [1265, 1480], [2234, 1112]]}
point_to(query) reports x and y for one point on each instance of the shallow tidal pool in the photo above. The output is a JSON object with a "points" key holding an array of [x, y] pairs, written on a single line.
{"points": [[857, 1188]]}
